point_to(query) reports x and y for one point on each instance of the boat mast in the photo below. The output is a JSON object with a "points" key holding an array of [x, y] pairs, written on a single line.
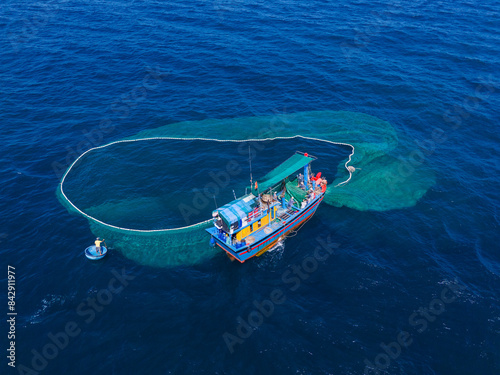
{"points": [[250, 161]]}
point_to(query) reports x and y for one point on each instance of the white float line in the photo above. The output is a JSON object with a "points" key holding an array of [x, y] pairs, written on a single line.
{"points": [[185, 139]]}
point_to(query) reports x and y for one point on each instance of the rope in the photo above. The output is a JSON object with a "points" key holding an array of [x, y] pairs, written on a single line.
{"points": [[349, 169]]}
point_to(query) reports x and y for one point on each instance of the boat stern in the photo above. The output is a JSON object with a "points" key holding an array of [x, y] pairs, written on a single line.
{"points": [[239, 252]]}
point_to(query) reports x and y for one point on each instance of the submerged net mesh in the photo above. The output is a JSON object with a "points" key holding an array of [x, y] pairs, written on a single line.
{"points": [[137, 194]]}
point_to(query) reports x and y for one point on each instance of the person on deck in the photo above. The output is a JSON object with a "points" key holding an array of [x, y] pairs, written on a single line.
{"points": [[315, 180], [323, 185], [300, 181]]}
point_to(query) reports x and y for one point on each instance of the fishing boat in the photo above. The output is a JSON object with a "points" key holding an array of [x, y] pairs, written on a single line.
{"points": [[276, 206]]}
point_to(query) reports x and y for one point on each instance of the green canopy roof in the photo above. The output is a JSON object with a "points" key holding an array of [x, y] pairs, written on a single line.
{"points": [[282, 171]]}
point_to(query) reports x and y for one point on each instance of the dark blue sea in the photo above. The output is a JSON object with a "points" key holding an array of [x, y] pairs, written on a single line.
{"points": [[412, 290]]}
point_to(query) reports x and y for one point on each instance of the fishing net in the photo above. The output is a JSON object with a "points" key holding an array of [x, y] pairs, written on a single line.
{"points": [[151, 195], [293, 190]]}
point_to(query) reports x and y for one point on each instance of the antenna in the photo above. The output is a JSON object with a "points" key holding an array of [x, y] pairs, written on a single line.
{"points": [[250, 161], [215, 202], [234, 194]]}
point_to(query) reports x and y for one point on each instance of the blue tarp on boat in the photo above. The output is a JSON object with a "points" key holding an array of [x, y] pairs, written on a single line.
{"points": [[235, 211]]}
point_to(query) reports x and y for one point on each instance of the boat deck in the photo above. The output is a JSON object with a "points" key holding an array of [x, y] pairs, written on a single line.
{"points": [[282, 216]]}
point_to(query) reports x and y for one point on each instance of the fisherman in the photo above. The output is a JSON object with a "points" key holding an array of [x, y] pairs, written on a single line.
{"points": [[316, 180], [300, 181], [324, 182], [290, 202], [98, 245], [312, 194], [309, 197]]}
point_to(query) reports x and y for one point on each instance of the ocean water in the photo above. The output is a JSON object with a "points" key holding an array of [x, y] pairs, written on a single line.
{"points": [[411, 290]]}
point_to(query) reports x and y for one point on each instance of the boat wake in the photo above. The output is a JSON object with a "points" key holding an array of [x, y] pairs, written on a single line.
{"points": [[279, 246], [272, 257]]}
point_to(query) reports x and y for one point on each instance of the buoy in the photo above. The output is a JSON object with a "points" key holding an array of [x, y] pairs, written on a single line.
{"points": [[93, 254]]}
